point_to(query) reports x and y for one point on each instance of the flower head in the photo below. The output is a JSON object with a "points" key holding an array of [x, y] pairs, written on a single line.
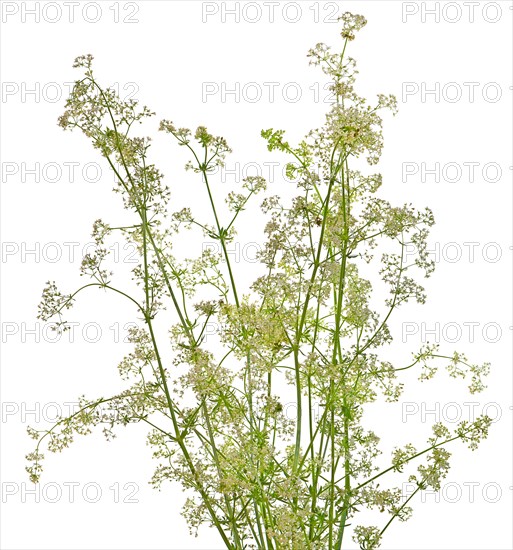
{"points": [[352, 23]]}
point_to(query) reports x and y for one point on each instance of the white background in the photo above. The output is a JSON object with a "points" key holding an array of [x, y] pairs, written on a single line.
{"points": [[168, 54]]}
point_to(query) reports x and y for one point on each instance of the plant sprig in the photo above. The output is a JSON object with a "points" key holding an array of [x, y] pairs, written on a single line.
{"points": [[305, 330]]}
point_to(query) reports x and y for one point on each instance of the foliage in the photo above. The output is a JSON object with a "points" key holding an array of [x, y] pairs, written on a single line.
{"points": [[217, 412]]}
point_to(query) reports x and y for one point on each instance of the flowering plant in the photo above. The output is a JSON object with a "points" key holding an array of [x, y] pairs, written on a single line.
{"points": [[305, 331]]}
